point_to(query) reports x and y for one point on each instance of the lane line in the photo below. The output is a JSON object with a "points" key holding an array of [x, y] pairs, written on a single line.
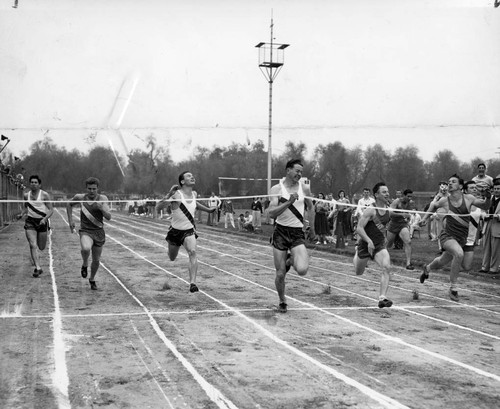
{"points": [[354, 323], [212, 392], [378, 397], [60, 377]]}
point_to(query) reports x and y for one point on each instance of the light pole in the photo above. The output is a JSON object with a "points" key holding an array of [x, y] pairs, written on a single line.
{"points": [[271, 59]]}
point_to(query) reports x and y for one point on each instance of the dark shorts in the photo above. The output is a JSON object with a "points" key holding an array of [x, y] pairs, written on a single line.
{"points": [[363, 249], [97, 236], [284, 238], [468, 249], [176, 237], [34, 224], [445, 236], [396, 227]]}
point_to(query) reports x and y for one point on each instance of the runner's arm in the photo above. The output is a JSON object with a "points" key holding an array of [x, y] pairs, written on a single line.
{"points": [[69, 210], [432, 207], [104, 207], [48, 203]]}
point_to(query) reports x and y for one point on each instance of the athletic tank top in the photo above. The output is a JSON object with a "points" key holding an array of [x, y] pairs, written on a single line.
{"points": [[455, 225], [179, 219], [91, 217], [400, 218], [38, 205], [287, 218], [376, 228]]}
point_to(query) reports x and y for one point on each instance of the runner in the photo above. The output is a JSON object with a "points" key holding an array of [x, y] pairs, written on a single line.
{"points": [[94, 208], [288, 240], [38, 207], [182, 231], [453, 237], [399, 224], [372, 240]]}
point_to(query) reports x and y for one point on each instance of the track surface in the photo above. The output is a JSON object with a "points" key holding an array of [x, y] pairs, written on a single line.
{"points": [[142, 340]]}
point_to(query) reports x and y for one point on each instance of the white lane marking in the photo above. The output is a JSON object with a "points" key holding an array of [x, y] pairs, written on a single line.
{"points": [[378, 397], [381, 334], [212, 392], [215, 311], [60, 377], [138, 334]]}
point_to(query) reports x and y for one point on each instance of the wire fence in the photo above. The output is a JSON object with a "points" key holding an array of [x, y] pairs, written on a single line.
{"points": [[10, 189]]}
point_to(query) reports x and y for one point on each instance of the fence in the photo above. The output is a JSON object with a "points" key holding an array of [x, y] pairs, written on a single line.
{"points": [[10, 189]]}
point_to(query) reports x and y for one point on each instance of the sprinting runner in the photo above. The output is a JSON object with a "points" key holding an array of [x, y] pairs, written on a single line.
{"points": [[182, 231], [399, 224], [38, 207], [455, 230], [372, 240], [94, 208], [287, 208]]}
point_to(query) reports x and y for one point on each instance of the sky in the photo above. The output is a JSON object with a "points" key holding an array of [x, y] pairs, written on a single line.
{"points": [[395, 72]]}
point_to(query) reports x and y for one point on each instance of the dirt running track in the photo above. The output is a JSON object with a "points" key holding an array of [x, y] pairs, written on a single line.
{"points": [[143, 341]]}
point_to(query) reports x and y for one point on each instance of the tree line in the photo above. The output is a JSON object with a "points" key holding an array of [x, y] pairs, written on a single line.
{"points": [[150, 172]]}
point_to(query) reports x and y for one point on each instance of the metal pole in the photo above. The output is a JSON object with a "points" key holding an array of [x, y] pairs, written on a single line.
{"points": [[270, 142], [269, 150]]}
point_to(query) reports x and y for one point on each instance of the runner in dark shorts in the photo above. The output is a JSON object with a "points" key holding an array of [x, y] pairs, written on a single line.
{"points": [[284, 238], [34, 224], [38, 208], [453, 237], [93, 210], [176, 237], [98, 236], [372, 242], [288, 202]]}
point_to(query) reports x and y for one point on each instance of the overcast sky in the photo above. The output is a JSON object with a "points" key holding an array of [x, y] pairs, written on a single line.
{"points": [[395, 72]]}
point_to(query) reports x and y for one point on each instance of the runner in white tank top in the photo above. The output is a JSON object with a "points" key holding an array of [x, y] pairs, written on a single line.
{"points": [[182, 231], [38, 207], [288, 200]]}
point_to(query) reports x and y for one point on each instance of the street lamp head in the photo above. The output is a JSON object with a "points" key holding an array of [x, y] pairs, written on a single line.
{"points": [[4, 138], [259, 45]]}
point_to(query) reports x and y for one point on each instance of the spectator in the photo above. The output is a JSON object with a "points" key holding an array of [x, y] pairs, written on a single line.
{"points": [[256, 213], [491, 244], [483, 181], [228, 212], [320, 219], [248, 222], [213, 203]]}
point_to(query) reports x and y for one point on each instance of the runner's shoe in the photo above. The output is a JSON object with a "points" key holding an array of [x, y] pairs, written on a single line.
{"points": [[282, 307], [93, 285], [193, 288], [454, 295], [84, 271], [410, 267], [384, 303], [425, 274]]}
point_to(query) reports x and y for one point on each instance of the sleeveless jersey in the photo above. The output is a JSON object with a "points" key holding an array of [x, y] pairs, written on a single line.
{"points": [[91, 217], [455, 225], [38, 205], [179, 219], [287, 218], [376, 228]]}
